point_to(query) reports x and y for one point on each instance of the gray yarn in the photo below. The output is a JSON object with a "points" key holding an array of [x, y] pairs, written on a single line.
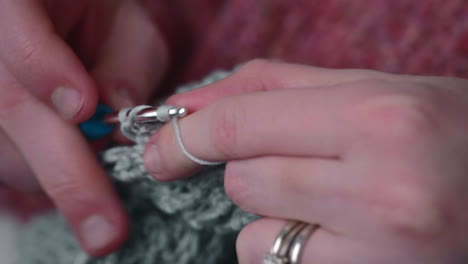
{"points": [[182, 222]]}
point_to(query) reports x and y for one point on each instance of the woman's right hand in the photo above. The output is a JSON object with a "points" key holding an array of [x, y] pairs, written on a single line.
{"points": [[57, 57]]}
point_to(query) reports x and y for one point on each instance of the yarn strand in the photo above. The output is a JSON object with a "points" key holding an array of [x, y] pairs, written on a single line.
{"points": [[134, 130], [184, 150]]}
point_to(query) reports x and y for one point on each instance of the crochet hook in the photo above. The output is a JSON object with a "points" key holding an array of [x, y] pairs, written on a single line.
{"points": [[151, 114], [102, 123]]}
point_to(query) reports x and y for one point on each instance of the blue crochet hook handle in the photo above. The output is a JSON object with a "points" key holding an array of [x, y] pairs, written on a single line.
{"points": [[96, 127]]}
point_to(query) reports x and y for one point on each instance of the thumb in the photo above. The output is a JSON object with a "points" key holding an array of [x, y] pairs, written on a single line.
{"points": [[133, 58], [42, 62]]}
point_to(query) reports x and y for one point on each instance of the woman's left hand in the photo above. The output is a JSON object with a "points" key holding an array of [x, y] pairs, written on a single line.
{"points": [[379, 161]]}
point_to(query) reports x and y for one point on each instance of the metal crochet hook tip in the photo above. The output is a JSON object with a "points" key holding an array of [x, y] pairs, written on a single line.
{"points": [[150, 114]]}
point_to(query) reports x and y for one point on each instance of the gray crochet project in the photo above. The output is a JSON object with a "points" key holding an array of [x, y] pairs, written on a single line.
{"points": [[186, 221]]}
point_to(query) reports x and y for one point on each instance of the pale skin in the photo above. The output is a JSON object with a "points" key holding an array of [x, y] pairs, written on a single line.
{"points": [[378, 160], [56, 58]]}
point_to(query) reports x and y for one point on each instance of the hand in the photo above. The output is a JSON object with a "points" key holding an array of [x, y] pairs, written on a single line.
{"points": [[377, 160], [56, 57]]}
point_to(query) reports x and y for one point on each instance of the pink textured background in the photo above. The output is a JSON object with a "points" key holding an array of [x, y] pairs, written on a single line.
{"points": [[403, 36], [427, 37]]}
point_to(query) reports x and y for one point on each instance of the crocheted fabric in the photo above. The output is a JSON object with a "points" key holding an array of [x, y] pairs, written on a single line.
{"points": [[187, 221]]}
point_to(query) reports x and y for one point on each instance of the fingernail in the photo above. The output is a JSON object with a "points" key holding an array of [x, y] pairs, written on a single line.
{"points": [[121, 98], [152, 159], [97, 232], [67, 101]]}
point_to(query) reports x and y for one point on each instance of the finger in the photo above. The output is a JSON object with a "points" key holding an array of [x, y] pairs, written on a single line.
{"points": [[263, 75], [321, 247], [42, 62], [305, 189], [303, 122], [338, 195], [131, 62], [89, 30], [14, 171], [66, 168], [310, 190]]}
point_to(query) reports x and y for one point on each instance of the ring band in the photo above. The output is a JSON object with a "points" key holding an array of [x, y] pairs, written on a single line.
{"points": [[297, 246], [285, 237], [289, 242]]}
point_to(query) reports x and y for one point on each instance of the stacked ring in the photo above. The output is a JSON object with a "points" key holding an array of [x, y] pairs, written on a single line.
{"points": [[289, 243]]}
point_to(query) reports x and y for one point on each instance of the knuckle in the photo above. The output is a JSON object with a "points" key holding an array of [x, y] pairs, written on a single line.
{"points": [[13, 103], [227, 122], [257, 75], [237, 187], [397, 117], [256, 65], [411, 209], [25, 53], [66, 190]]}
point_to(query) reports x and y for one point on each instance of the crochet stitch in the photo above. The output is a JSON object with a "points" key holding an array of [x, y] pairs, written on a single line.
{"points": [[187, 221]]}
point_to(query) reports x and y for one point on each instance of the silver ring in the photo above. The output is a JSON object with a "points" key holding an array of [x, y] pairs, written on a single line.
{"points": [[297, 246], [289, 243]]}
